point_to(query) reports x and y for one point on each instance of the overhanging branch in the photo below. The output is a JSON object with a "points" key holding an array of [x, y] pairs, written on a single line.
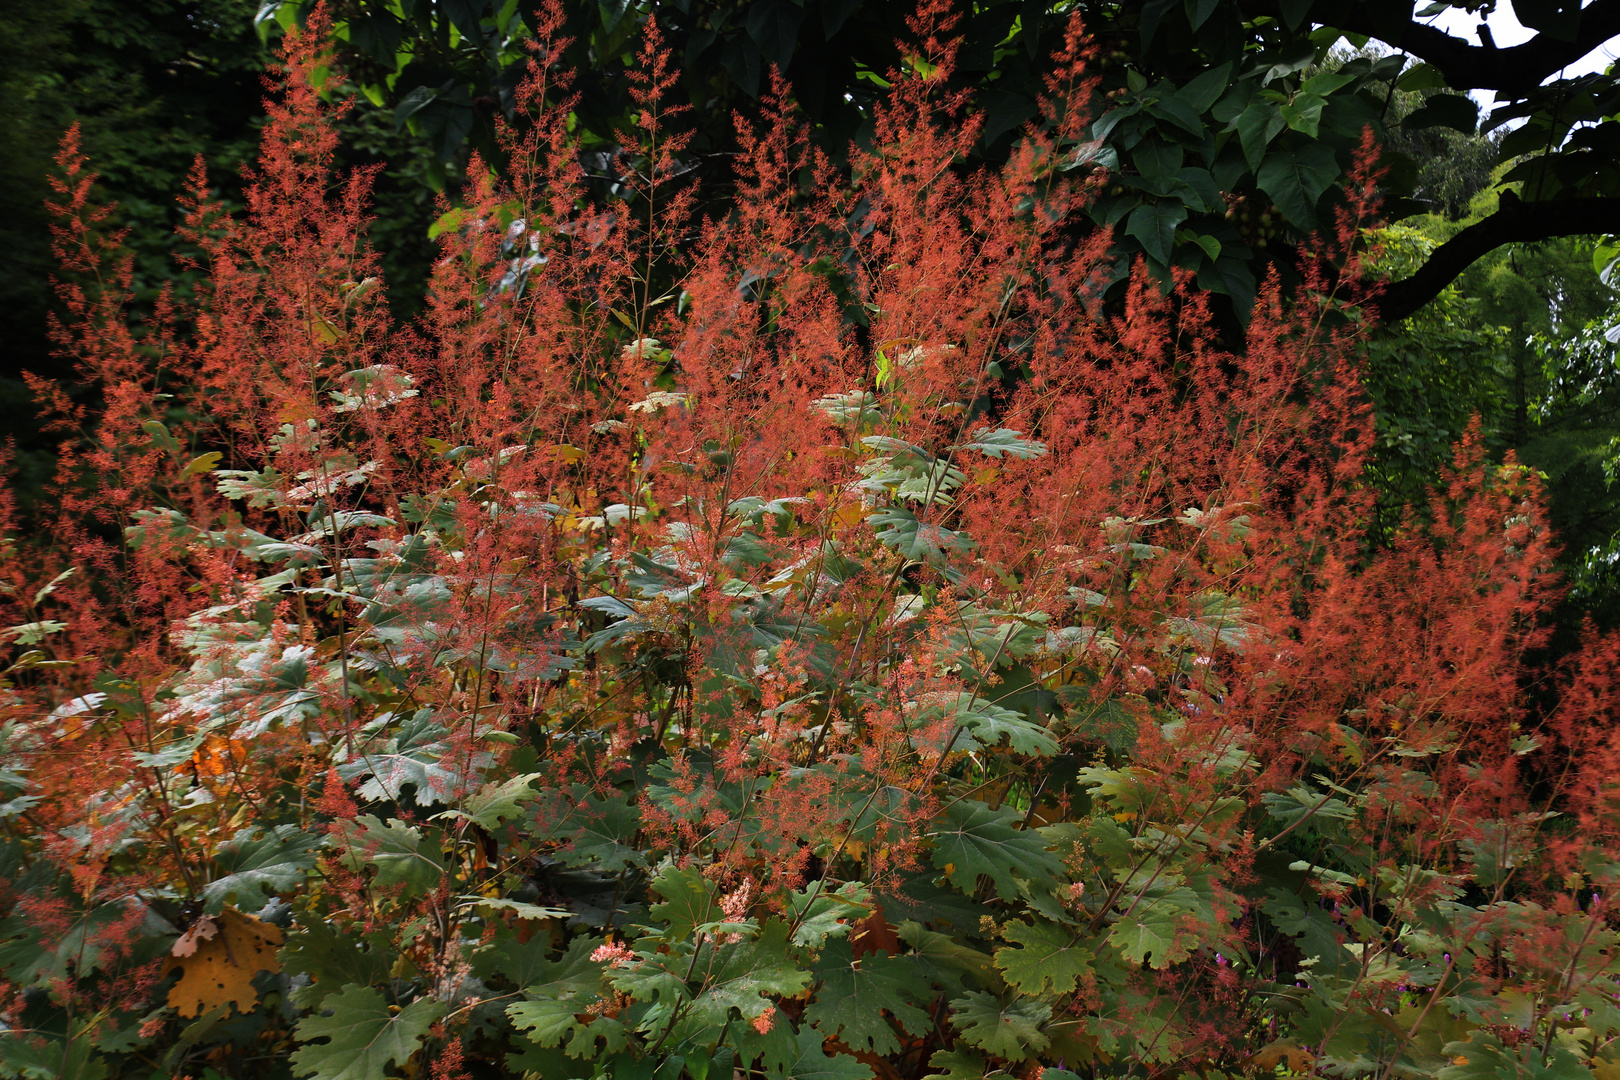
{"points": [[1514, 223], [1515, 70]]}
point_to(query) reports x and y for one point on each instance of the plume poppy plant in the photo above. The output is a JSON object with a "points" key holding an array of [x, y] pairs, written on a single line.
{"points": [[822, 641]]}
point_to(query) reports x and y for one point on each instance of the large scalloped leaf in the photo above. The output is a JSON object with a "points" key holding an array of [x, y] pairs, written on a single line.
{"points": [[574, 972], [971, 839], [602, 829], [854, 994], [690, 900], [365, 1038], [744, 975], [1051, 959], [331, 959], [400, 854], [900, 529], [551, 1023], [821, 913], [415, 755], [1011, 1031], [80, 944], [260, 863], [31, 1057], [500, 800], [1003, 441], [986, 724], [1483, 1057], [1153, 929], [816, 1064], [557, 990]]}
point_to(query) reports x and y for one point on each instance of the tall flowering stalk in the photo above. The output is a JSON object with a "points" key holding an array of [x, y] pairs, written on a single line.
{"points": [[823, 641]]}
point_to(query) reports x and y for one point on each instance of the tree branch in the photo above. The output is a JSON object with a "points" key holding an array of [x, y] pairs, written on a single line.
{"points": [[1515, 222], [1515, 70]]}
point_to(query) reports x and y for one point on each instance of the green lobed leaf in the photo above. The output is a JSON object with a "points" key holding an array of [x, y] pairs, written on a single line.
{"points": [[413, 755], [899, 529], [985, 725], [856, 992], [80, 945], [319, 949], [1301, 802], [945, 961], [1314, 931], [744, 975], [32, 1057], [690, 900], [501, 800], [1153, 930], [1483, 1057], [364, 1036], [815, 1063], [822, 914], [957, 1065], [261, 863], [552, 1023], [1051, 959], [1003, 442], [603, 831], [772, 1051], [1011, 1031], [972, 840], [398, 852]]}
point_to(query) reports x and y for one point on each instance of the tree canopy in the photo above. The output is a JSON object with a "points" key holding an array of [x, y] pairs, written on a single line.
{"points": [[1226, 125]]}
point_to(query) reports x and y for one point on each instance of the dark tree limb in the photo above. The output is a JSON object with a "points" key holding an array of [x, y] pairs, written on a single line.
{"points": [[1514, 71], [1515, 222]]}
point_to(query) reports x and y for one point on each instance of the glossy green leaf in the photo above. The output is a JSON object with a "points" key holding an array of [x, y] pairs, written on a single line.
{"points": [[1256, 126], [1154, 227], [1295, 180]]}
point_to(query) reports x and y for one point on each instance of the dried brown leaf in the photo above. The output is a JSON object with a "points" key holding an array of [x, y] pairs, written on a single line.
{"points": [[218, 968]]}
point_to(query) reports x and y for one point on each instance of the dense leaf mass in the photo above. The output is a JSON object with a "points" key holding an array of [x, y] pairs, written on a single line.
{"points": [[820, 642]]}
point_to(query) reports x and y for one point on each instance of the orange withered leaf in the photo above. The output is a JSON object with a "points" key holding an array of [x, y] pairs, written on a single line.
{"points": [[217, 964]]}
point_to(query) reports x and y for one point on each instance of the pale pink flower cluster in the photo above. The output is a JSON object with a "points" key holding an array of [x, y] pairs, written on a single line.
{"points": [[616, 953]]}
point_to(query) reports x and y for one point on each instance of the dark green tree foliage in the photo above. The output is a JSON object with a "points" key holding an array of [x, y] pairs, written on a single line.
{"points": [[152, 86], [1522, 342], [1216, 108]]}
